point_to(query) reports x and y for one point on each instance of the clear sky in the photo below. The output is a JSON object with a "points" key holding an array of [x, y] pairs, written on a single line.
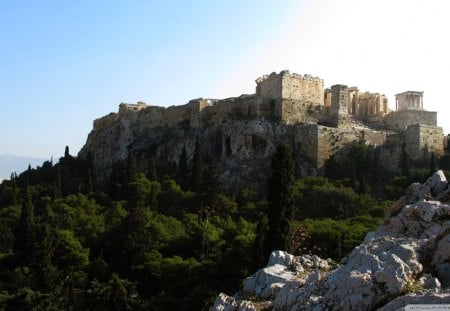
{"points": [[65, 63]]}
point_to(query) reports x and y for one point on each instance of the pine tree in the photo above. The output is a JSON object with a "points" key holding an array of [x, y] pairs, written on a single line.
{"points": [[197, 168], [280, 209]]}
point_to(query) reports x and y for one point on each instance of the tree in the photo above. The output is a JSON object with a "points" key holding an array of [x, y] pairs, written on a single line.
{"points": [[259, 246], [44, 273], [116, 294], [361, 163], [197, 168], [14, 188], [25, 233], [6, 238], [66, 153], [57, 184], [133, 238], [151, 171], [131, 167], [183, 168], [280, 202], [404, 161], [432, 164]]}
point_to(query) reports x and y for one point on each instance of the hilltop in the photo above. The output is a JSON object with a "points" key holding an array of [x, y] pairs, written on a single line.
{"points": [[239, 134]]}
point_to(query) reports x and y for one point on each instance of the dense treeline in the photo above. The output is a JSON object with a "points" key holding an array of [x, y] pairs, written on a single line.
{"points": [[170, 238]]}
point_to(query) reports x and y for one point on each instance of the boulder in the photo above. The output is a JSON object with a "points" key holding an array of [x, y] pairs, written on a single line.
{"points": [[227, 303], [437, 182], [384, 271]]}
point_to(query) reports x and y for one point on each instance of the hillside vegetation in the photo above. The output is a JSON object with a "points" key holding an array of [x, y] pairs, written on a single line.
{"points": [[171, 238]]}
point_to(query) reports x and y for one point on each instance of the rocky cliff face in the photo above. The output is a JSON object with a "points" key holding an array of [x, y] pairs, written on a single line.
{"points": [[406, 261], [241, 147]]}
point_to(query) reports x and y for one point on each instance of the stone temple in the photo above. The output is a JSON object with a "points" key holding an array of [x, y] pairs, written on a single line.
{"points": [[317, 122]]}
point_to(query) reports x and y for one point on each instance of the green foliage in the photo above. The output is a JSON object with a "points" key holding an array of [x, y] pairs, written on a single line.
{"points": [[398, 184], [316, 197], [173, 199], [183, 169], [81, 215], [336, 238], [148, 243], [6, 238], [197, 168], [280, 199], [69, 252], [116, 294], [26, 230]]}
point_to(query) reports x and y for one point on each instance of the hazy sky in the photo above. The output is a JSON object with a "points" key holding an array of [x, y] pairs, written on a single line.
{"points": [[65, 63]]}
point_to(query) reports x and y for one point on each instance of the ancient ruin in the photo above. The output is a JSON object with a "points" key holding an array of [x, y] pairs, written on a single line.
{"points": [[296, 109]]}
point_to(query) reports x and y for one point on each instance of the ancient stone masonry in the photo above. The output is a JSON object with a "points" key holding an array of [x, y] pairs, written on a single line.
{"points": [[409, 100], [286, 107]]}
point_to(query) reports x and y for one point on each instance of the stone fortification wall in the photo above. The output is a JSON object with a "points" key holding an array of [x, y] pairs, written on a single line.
{"points": [[295, 112], [318, 143], [124, 108], [400, 120], [335, 141], [305, 141], [243, 106], [422, 140], [390, 153], [152, 117], [195, 107], [177, 114], [303, 88], [285, 85], [105, 121], [269, 86], [339, 105], [287, 107]]}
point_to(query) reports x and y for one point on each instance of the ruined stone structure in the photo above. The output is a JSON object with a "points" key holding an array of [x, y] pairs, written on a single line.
{"points": [[286, 107]]}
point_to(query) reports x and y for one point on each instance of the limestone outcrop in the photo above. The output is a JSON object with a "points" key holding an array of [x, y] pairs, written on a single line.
{"points": [[289, 108], [405, 261], [241, 148]]}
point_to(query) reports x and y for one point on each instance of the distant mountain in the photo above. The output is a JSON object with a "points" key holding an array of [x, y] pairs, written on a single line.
{"points": [[11, 163]]}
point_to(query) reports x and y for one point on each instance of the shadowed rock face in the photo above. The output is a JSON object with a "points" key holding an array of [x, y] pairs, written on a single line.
{"points": [[405, 261], [241, 148]]}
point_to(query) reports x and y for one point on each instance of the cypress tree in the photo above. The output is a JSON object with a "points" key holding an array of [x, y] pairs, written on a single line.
{"points": [[404, 161], [66, 153], [25, 233], [280, 202], [259, 246], [134, 238], [151, 172], [14, 188], [432, 164], [197, 168], [183, 168], [57, 185], [45, 274], [131, 167]]}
